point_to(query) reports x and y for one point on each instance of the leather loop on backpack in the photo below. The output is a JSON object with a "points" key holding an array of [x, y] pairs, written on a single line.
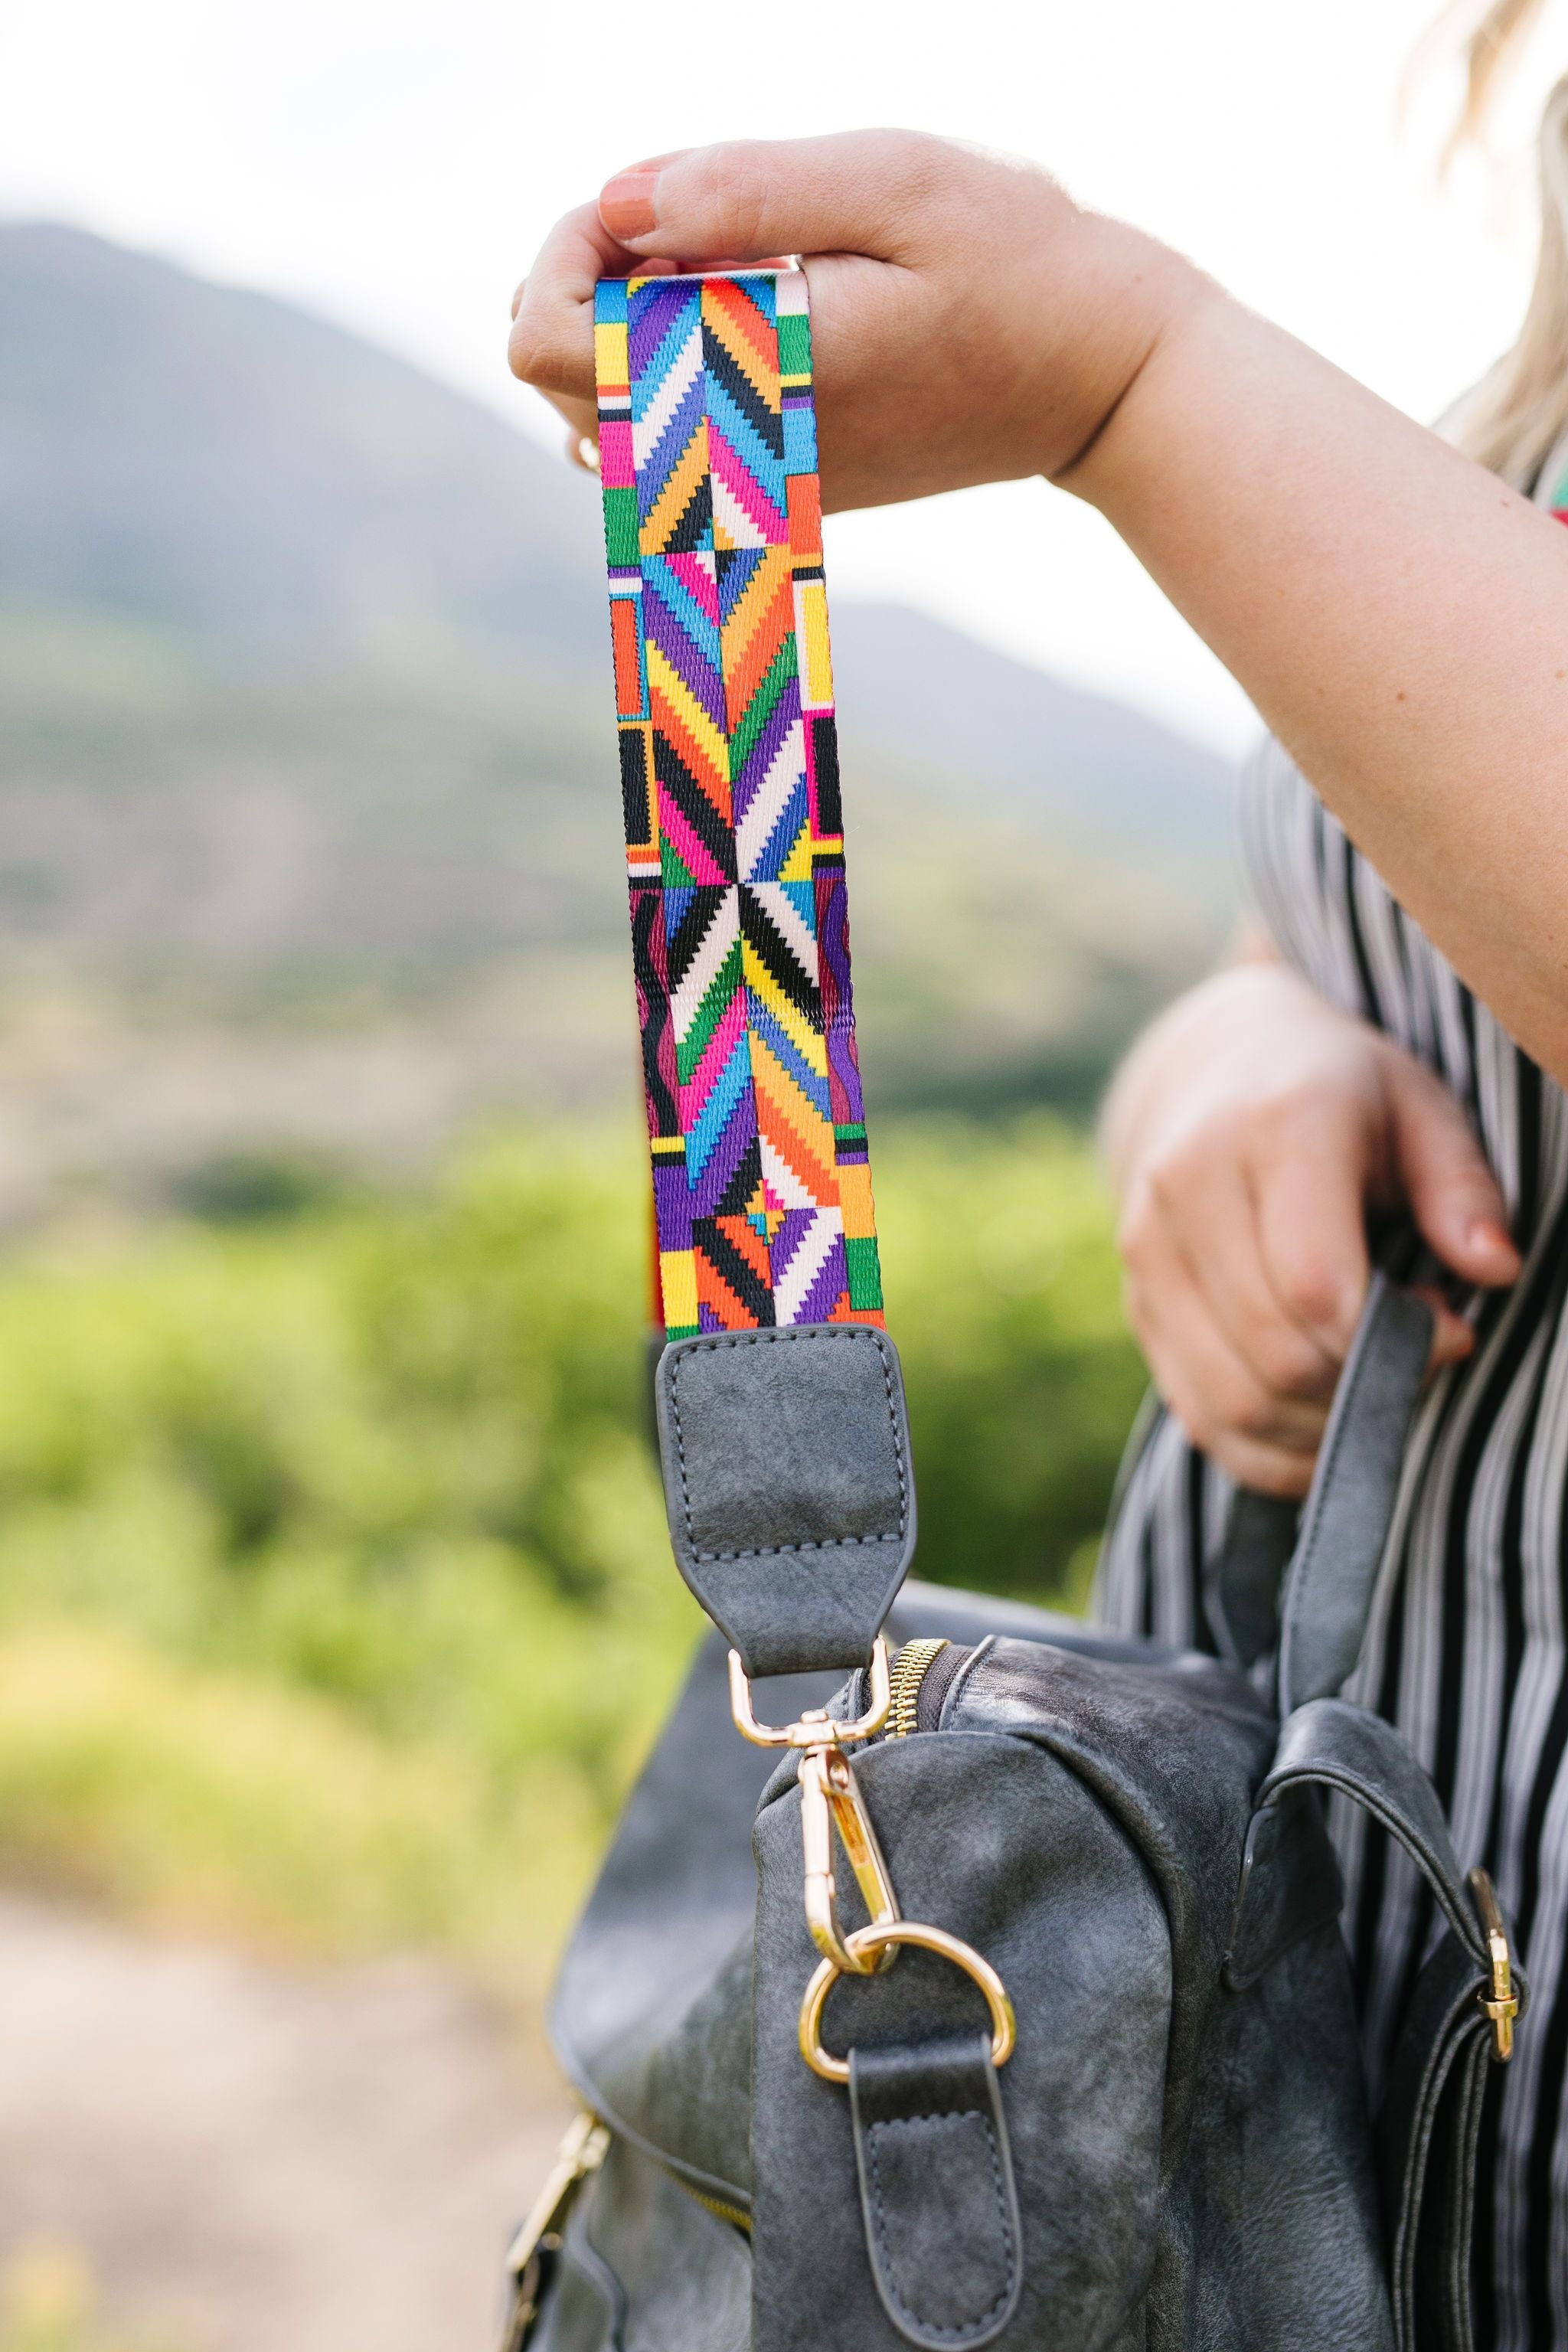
{"points": [[936, 2190]]}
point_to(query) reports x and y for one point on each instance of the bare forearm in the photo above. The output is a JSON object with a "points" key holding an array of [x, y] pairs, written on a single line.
{"points": [[1399, 618], [1398, 614]]}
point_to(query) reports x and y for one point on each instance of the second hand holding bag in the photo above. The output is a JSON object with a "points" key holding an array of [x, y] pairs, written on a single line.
{"points": [[1068, 2055]]}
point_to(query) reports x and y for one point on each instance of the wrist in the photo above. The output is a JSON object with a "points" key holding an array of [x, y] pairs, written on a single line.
{"points": [[1225, 1019], [1143, 303], [1154, 1067]]}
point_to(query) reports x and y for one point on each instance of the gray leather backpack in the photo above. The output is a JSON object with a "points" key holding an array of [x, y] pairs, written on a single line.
{"points": [[1067, 2059]]}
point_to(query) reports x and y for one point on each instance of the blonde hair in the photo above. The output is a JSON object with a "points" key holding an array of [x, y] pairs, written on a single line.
{"points": [[1519, 413]]}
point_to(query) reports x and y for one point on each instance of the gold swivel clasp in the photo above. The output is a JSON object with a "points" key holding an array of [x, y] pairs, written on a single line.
{"points": [[830, 1799], [831, 1802]]}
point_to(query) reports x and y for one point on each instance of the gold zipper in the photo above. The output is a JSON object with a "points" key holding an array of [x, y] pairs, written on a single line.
{"points": [[730, 2214], [581, 2153], [910, 1669]]}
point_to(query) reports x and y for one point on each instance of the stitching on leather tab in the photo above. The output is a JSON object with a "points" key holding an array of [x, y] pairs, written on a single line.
{"points": [[930, 2327], [863, 1334]]}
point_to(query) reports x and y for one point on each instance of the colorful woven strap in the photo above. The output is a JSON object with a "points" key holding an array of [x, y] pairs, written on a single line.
{"points": [[730, 777]]}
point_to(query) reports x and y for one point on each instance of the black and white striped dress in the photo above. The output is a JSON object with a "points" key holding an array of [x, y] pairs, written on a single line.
{"points": [[1467, 1649]]}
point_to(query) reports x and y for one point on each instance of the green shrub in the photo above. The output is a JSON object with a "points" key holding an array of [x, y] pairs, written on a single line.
{"points": [[1004, 1297], [389, 1459]]}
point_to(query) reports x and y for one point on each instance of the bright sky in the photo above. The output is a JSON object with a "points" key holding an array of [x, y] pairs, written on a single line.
{"points": [[394, 162]]}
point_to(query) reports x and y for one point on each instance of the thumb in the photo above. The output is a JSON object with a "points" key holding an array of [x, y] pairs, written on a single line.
{"points": [[1443, 1173], [752, 200]]}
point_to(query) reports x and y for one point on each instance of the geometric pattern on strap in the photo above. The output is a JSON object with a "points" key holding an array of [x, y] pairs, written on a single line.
{"points": [[729, 782]]}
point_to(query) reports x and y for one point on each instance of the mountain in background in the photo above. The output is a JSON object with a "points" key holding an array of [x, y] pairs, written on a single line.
{"points": [[217, 463], [307, 811]]}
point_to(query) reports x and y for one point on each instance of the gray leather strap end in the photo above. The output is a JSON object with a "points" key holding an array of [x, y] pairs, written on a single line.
{"points": [[788, 1486], [937, 2193], [1329, 1586]]}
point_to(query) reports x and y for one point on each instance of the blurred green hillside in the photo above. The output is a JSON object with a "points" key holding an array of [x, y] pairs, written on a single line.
{"points": [[335, 1603]]}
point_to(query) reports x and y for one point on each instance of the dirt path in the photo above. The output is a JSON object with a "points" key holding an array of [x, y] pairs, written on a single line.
{"points": [[250, 2159]]}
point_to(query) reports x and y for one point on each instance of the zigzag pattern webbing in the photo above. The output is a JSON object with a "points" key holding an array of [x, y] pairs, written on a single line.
{"points": [[729, 779]]}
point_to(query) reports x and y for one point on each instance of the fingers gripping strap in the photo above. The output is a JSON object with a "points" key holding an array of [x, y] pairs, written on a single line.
{"points": [[729, 779], [1329, 1584]]}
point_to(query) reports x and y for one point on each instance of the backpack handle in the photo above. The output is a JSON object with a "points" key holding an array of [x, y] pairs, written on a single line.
{"points": [[1326, 1597], [1306, 1581]]}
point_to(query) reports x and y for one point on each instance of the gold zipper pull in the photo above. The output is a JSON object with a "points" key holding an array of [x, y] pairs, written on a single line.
{"points": [[582, 2152]]}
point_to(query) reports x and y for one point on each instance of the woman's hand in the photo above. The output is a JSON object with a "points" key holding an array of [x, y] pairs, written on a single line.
{"points": [[1250, 1132], [971, 323]]}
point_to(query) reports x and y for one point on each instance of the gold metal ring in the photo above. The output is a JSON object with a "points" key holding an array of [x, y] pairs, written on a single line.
{"points": [[861, 1946]]}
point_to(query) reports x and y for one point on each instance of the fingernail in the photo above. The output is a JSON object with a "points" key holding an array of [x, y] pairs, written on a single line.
{"points": [[626, 203], [1487, 1235]]}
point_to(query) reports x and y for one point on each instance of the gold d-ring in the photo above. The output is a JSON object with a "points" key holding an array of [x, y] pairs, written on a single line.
{"points": [[861, 1946]]}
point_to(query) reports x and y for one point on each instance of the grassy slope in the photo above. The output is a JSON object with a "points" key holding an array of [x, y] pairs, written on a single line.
{"points": [[335, 1606]]}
